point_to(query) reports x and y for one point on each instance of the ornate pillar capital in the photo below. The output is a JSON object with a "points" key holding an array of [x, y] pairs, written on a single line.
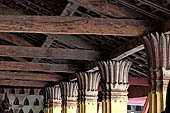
{"points": [[114, 79], [157, 47], [88, 83], [114, 76], [53, 99], [158, 52], [69, 93]]}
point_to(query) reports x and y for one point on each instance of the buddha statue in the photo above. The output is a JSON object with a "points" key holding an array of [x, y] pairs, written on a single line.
{"points": [[5, 105]]}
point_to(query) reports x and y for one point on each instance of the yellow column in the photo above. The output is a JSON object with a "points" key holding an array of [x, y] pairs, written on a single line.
{"points": [[158, 92], [88, 91], [57, 106], [69, 96], [114, 80], [70, 105], [158, 54]]}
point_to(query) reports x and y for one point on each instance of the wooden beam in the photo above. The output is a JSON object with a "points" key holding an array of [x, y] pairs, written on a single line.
{"points": [[127, 49], [106, 8], [28, 66], [19, 83], [15, 40], [48, 41], [49, 53], [30, 76], [75, 25], [5, 10]]}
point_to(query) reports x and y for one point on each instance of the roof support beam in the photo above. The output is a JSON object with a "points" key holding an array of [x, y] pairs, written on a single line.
{"points": [[30, 76], [49, 53], [75, 25], [105, 8], [20, 83], [127, 49], [28, 66]]}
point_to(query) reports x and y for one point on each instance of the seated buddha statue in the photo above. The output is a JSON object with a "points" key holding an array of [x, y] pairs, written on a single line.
{"points": [[5, 105]]}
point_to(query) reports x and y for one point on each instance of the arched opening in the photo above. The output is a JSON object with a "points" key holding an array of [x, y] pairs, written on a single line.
{"points": [[16, 101], [36, 102], [21, 111], [26, 102], [30, 111]]}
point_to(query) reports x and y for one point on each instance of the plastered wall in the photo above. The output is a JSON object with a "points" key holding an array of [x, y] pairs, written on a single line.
{"points": [[23, 100]]}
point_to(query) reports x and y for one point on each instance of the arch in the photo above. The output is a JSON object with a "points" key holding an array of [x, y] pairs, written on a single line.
{"points": [[36, 102], [26, 102], [21, 111], [16, 101], [30, 111], [11, 110]]}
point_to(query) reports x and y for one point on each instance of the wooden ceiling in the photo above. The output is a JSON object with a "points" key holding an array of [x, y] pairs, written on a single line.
{"points": [[47, 47]]}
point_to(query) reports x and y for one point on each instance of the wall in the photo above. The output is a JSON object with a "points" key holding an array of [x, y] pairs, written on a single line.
{"points": [[23, 100]]}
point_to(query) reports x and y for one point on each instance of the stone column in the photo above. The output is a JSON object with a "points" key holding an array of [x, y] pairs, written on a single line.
{"points": [[53, 101], [88, 91], [114, 80], [69, 95], [158, 52]]}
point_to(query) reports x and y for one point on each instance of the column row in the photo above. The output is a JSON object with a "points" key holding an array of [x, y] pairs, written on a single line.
{"points": [[113, 77]]}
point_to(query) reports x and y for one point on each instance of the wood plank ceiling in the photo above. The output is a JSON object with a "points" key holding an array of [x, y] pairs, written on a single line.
{"points": [[48, 58]]}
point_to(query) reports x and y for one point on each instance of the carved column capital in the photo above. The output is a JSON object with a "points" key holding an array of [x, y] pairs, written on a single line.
{"points": [[158, 52], [69, 93], [53, 96], [114, 76], [88, 83]]}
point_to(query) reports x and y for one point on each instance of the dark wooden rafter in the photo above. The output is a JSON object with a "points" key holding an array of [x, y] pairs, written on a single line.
{"points": [[155, 5], [49, 40], [75, 25], [30, 76], [136, 8], [49, 53], [73, 42], [15, 40], [69, 9], [107, 9], [127, 49], [22, 83], [38, 67], [5, 10]]}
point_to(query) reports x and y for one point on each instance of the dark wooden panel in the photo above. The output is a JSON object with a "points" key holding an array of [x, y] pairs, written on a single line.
{"points": [[106, 8], [23, 83], [30, 76], [75, 25], [127, 49], [28, 66], [49, 53]]}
